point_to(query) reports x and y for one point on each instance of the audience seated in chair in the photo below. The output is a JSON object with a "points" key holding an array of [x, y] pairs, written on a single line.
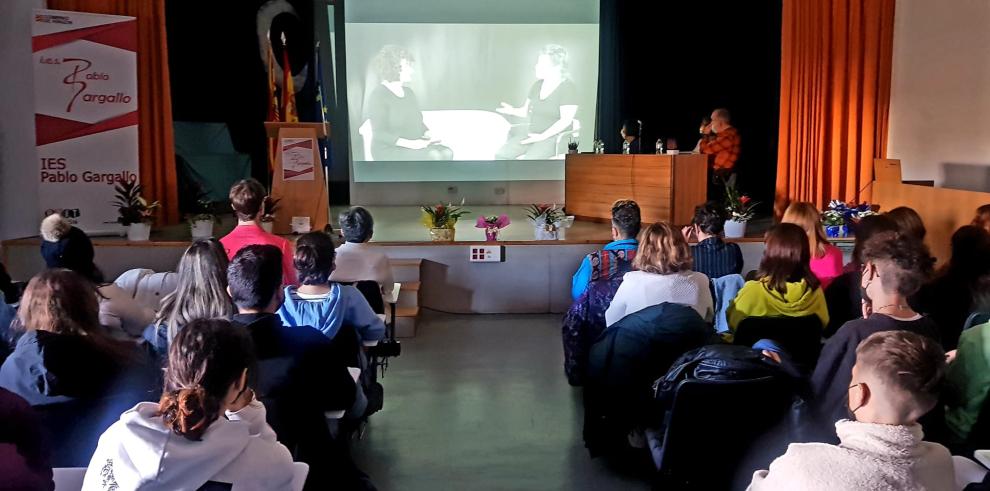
{"points": [[25, 460], [64, 365], [301, 374], [713, 256], [625, 361], [208, 426], [247, 198], [909, 222], [585, 321], [843, 296], [785, 284], [826, 259], [894, 267], [201, 293], [355, 259], [895, 380], [959, 287], [968, 384], [323, 305], [612, 259], [65, 246], [664, 274]]}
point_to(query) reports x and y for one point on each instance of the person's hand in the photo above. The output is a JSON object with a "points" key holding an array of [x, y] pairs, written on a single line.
{"points": [[418, 144], [950, 356], [506, 108], [867, 309], [243, 400], [688, 232], [428, 135], [533, 138], [772, 355], [706, 129]]}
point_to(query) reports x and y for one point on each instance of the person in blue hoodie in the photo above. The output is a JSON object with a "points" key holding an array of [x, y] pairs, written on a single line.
{"points": [[321, 304]]}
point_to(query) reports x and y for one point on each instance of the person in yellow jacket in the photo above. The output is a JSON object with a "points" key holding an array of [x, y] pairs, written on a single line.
{"points": [[785, 285]]}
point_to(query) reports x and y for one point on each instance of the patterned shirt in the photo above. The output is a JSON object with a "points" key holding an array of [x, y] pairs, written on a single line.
{"points": [[717, 258], [725, 147]]}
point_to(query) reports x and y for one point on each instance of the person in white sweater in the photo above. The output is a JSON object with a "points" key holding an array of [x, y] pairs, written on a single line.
{"points": [[894, 382], [208, 426], [356, 260], [664, 274]]}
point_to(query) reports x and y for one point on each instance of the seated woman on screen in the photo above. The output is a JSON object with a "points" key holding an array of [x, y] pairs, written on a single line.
{"points": [[550, 107], [398, 131]]}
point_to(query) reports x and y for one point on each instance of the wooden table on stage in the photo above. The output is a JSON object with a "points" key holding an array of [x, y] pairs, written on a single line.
{"points": [[667, 187]]}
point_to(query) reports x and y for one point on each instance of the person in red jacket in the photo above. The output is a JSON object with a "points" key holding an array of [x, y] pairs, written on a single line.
{"points": [[247, 197]]}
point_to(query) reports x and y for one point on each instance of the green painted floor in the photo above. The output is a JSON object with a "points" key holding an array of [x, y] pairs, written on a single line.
{"points": [[480, 402]]}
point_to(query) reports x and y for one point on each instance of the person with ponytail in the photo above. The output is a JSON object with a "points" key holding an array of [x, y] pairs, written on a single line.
{"points": [[321, 304], [208, 426]]}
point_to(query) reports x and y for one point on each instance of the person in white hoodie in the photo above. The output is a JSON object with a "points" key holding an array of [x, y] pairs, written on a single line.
{"points": [[895, 381], [208, 426]]}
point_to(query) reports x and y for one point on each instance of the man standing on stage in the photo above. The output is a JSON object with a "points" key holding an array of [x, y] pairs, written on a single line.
{"points": [[720, 139]]}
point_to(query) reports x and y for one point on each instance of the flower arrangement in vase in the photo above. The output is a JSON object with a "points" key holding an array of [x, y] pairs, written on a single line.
{"points": [[547, 220], [492, 225], [740, 209], [134, 212], [840, 219], [268, 209], [441, 220]]}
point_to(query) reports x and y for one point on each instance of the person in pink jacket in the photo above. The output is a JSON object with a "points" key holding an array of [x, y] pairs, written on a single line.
{"points": [[894, 382], [826, 259]]}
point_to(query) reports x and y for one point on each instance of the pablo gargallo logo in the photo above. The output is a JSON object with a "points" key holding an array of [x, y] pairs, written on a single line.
{"points": [[77, 79]]}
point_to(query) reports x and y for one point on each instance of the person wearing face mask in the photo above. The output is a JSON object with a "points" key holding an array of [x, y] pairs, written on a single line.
{"points": [[397, 128], [548, 111], [895, 380], [721, 141], [894, 268]]}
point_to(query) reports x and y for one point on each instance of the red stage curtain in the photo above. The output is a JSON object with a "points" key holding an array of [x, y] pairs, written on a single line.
{"points": [[156, 142], [834, 98]]}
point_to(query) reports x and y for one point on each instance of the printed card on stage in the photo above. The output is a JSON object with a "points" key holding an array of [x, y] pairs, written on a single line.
{"points": [[297, 159]]}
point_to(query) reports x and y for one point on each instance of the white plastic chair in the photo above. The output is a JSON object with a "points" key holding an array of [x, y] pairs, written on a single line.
{"points": [[299, 472], [71, 478], [967, 471]]}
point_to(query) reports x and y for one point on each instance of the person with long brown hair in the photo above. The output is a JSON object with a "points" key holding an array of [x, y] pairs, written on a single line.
{"points": [[785, 285], [664, 274], [63, 355], [208, 426], [826, 259]]}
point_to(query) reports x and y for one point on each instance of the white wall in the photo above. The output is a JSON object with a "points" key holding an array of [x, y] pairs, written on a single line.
{"points": [[940, 92], [19, 209]]}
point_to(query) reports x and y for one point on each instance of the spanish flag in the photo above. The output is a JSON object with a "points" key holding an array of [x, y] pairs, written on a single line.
{"points": [[273, 112], [288, 89]]}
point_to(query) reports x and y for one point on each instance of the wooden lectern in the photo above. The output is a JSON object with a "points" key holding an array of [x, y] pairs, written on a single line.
{"points": [[298, 182], [666, 187]]}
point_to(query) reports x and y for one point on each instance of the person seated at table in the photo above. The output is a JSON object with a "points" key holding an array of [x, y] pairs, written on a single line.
{"points": [[65, 246], [826, 259], [321, 304], [208, 426], [712, 256], [784, 284], [664, 274], [600, 265], [200, 293], [247, 198], [895, 381], [630, 133], [355, 259], [894, 267]]}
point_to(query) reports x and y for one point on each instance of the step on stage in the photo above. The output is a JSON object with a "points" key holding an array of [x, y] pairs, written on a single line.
{"points": [[534, 277]]}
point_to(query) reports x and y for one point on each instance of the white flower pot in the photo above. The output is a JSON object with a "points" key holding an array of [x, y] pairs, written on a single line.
{"points": [[541, 232], [202, 229], [735, 229], [138, 232], [268, 226]]}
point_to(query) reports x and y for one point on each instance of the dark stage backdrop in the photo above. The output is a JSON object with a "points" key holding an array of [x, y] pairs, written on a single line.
{"points": [[669, 63], [218, 75]]}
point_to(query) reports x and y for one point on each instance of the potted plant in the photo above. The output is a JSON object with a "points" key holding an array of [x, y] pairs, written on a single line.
{"points": [[201, 223], [547, 220], [740, 209], [492, 225], [840, 219], [268, 208], [835, 223], [134, 211], [441, 220]]}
